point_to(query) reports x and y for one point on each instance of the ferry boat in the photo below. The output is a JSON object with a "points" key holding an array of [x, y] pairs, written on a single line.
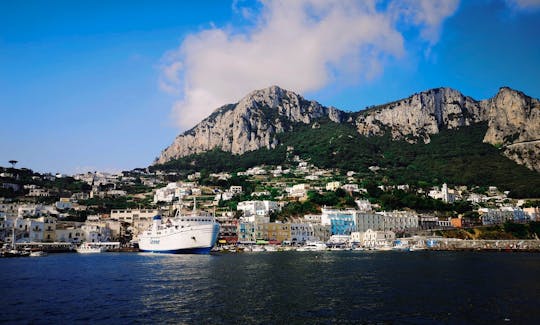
{"points": [[183, 234]]}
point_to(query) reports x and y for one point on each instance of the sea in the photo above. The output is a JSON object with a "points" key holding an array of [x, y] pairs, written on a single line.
{"points": [[334, 287]]}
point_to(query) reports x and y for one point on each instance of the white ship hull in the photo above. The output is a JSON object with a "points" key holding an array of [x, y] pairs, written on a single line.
{"points": [[194, 239]]}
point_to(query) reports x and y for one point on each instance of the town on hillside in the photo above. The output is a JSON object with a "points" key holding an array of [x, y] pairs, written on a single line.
{"points": [[290, 206]]}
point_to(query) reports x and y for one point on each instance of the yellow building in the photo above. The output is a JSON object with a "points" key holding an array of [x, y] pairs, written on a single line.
{"points": [[49, 228], [278, 231]]}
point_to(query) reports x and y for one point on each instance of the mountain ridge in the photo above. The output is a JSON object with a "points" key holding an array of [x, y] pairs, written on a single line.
{"points": [[255, 122]]}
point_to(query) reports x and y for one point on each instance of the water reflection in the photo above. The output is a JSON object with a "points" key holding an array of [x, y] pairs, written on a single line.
{"points": [[327, 287]]}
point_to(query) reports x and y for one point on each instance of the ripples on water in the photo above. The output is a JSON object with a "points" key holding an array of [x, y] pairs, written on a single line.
{"points": [[288, 287]]}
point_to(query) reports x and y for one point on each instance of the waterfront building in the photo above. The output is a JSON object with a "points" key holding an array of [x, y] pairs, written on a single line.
{"points": [[341, 222], [320, 232], [278, 232], [69, 232], [49, 228], [228, 228], [139, 219], [381, 221], [373, 238], [95, 230], [301, 232], [246, 232]]}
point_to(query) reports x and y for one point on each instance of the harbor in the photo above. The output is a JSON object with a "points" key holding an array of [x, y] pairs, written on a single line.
{"points": [[264, 288]]}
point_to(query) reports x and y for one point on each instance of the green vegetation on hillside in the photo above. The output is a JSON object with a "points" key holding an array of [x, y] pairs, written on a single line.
{"points": [[509, 230], [457, 157]]}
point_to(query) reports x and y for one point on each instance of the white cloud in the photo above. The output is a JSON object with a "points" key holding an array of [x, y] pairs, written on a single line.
{"points": [[524, 5], [427, 14], [301, 45]]}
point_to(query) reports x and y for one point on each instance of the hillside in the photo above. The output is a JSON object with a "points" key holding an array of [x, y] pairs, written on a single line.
{"points": [[456, 156]]}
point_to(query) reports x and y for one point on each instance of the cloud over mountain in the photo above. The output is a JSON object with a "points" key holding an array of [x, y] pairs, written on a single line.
{"points": [[301, 45]]}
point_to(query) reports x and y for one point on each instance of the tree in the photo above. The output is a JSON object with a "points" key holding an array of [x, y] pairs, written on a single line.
{"points": [[13, 163]]}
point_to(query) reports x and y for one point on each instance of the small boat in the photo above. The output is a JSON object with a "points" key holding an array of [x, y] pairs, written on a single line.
{"points": [[270, 248], [417, 248], [257, 248], [312, 246], [87, 248], [38, 253], [383, 248]]}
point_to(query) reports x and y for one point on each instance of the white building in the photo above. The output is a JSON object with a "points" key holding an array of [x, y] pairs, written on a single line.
{"points": [[503, 214], [257, 208], [298, 190], [313, 218], [69, 233], [95, 230], [445, 194], [351, 188], [64, 204], [332, 186], [39, 192], [381, 221], [363, 205], [172, 192], [301, 232], [134, 216], [235, 189], [372, 238]]}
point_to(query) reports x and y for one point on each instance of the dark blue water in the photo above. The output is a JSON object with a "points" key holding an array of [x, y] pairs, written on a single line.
{"points": [[273, 288]]}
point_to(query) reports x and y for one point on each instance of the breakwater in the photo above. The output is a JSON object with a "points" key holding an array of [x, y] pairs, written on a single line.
{"points": [[452, 244]]}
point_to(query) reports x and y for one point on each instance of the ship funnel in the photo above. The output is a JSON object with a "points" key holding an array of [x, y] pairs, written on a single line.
{"points": [[156, 222]]}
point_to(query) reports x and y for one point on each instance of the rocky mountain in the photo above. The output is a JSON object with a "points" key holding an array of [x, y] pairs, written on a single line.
{"points": [[513, 121], [250, 124]]}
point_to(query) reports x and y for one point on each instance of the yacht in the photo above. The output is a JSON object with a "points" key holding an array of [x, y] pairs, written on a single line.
{"points": [[311, 246], [88, 248]]}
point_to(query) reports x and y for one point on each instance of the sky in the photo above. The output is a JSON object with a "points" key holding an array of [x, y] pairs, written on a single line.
{"points": [[106, 85]]}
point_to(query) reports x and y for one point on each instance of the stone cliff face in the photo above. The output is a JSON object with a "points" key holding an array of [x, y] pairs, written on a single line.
{"points": [[250, 124], [421, 115], [513, 121], [514, 124]]}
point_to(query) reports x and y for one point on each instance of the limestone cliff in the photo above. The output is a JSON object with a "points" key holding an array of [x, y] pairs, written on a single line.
{"points": [[420, 115], [513, 121], [514, 124], [250, 124]]}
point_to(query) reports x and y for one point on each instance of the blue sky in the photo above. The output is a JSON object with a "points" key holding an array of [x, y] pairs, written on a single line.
{"points": [[94, 85]]}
